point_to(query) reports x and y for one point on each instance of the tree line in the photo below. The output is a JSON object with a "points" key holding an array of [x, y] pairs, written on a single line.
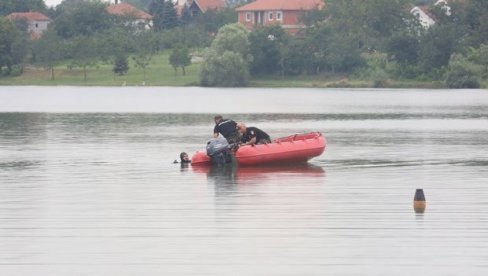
{"points": [[375, 40], [83, 34]]}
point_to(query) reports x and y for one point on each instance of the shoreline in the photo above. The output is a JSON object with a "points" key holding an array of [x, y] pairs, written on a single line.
{"points": [[160, 74]]}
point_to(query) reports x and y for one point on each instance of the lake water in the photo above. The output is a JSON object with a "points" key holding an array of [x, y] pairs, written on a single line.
{"points": [[87, 184]]}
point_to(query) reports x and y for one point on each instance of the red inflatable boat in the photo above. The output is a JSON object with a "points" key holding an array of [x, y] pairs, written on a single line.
{"points": [[291, 149]]}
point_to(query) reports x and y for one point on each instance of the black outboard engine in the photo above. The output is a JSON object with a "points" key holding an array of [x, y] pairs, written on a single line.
{"points": [[218, 149]]}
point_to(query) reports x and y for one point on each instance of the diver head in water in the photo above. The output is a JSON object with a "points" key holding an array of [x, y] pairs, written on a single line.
{"points": [[184, 158]]}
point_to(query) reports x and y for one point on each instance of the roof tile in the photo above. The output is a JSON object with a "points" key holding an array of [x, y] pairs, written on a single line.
{"points": [[128, 10], [30, 16], [265, 5], [210, 4]]}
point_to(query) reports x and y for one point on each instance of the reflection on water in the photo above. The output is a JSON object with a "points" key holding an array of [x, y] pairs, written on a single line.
{"points": [[235, 173], [98, 193]]}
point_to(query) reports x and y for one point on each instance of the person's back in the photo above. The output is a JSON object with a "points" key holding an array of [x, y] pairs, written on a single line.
{"points": [[226, 128]]}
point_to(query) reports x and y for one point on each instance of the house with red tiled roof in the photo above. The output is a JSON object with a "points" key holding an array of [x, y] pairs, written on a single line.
{"points": [[286, 13], [201, 6], [37, 22], [139, 18]]}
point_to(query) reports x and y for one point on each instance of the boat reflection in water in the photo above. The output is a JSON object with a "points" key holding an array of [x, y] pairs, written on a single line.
{"points": [[235, 174]]}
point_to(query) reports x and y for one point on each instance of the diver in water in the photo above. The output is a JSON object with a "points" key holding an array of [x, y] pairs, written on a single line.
{"points": [[184, 159]]}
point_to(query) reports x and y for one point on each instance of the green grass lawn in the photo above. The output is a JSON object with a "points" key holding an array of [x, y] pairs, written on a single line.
{"points": [[158, 73]]}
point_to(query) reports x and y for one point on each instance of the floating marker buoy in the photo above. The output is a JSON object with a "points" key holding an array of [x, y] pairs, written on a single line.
{"points": [[419, 201]]}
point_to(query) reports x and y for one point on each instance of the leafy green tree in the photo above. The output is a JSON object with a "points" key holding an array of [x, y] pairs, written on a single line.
{"points": [[403, 48], [185, 17], [477, 21], [114, 42], [213, 20], [483, 60], [156, 8], [81, 18], [145, 49], [49, 50], [180, 58], [314, 17], [267, 45], [298, 57], [84, 50], [343, 55], [121, 65], [190, 35], [226, 62], [21, 24], [461, 74], [233, 38], [226, 69], [9, 6], [170, 15], [318, 39], [13, 46], [368, 23], [436, 47]]}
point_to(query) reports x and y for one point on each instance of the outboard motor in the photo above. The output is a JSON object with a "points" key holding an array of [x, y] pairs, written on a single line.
{"points": [[218, 149]]}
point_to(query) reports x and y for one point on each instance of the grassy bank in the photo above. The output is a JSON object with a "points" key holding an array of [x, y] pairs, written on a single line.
{"points": [[160, 73]]}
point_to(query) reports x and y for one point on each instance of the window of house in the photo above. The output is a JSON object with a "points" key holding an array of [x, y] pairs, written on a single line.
{"points": [[248, 16], [37, 25], [270, 16], [279, 15]]}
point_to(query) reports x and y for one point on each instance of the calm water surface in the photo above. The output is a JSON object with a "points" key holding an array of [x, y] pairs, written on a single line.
{"points": [[87, 184]]}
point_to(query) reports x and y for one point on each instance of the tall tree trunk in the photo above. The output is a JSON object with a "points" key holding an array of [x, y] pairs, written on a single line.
{"points": [[184, 71], [52, 73]]}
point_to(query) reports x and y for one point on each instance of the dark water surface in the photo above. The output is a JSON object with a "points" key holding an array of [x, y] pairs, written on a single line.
{"points": [[87, 186]]}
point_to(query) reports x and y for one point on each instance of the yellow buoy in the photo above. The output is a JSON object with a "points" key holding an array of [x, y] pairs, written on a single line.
{"points": [[419, 201]]}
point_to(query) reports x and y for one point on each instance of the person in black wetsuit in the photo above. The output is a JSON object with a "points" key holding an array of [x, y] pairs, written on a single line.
{"points": [[226, 128], [184, 159], [253, 135]]}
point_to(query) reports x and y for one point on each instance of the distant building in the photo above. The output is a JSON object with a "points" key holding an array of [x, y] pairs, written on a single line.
{"points": [[139, 18], [197, 7], [286, 13], [423, 15], [37, 22]]}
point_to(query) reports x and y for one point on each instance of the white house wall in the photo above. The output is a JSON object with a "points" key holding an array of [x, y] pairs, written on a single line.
{"points": [[38, 27], [425, 20]]}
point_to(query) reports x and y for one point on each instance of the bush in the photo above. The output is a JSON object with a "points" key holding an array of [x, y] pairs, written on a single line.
{"points": [[226, 62], [380, 79], [121, 65], [225, 70], [461, 73], [462, 77], [17, 70]]}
